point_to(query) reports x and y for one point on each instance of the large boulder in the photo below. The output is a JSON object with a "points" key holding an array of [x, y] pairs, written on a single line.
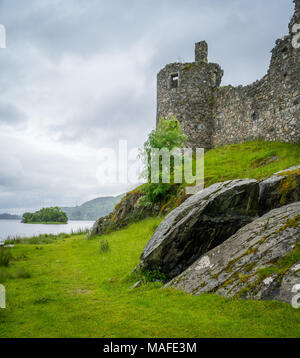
{"points": [[280, 189], [202, 222], [260, 261]]}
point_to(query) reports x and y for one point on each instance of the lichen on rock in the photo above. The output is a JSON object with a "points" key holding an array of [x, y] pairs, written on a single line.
{"points": [[280, 189], [202, 222], [260, 261]]}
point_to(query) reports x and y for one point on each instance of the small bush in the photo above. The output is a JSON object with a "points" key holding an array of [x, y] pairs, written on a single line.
{"points": [[146, 276], [169, 136], [63, 236], [5, 256], [89, 236], [156, 192], [79, 231], [104, 246]]}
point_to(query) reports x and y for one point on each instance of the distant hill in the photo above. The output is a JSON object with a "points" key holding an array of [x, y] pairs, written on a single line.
{"points": [[9, 217], [93, 209]]}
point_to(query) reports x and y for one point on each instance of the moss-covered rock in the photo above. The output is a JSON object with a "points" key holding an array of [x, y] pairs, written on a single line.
{"points": [[260, 261], [202, 222], [128, 210], [280, 189]]}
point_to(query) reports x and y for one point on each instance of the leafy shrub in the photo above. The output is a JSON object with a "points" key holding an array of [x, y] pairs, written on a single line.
{"points": [[63, 235], [155, 192], [169, 136], [146, 276], [103, 246], [5, 256]]}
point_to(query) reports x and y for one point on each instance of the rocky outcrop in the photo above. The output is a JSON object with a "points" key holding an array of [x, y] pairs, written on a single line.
{"points": [[202, 222], [131, 208], [260, 261], [280, 189], [128, 210]]}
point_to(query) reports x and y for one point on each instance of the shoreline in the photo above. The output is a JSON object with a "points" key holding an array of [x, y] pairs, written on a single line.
{"points": [[46, 223]]}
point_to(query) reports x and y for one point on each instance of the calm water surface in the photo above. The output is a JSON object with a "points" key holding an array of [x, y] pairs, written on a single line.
{"points": [[16, 228]]}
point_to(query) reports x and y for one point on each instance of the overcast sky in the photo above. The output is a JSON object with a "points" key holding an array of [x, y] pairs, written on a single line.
{"points": [[77, 76]]}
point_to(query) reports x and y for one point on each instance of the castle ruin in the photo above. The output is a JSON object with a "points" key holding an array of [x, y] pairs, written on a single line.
{"points": [[211, 115]]}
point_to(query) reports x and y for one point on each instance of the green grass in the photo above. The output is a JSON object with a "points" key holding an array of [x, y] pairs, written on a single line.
{"points": [[45, 238], [67, 288], [256, 160], [72, 286], [283, 264], [5, 256], [253, 160]]}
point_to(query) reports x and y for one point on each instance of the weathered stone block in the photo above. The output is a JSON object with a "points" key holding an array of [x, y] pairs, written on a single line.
{"points": [[248, 265], [280, 189], [202, 222]]}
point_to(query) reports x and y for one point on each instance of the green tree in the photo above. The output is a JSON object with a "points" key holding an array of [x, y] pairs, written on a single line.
{"points": [[52, 214], [26, 217], [168, 135]]}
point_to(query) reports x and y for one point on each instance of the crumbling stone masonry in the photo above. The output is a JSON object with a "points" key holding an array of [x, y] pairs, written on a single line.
{"points": [[186, 90], [211, 115]]}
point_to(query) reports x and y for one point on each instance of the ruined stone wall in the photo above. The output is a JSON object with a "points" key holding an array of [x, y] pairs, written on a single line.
{"points": [[211, 115], [267, 109]]}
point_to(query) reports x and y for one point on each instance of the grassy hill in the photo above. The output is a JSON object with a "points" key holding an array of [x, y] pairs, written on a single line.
{"points": [[6, 216], [257, 160], [75, 286], [93, 209], [254, 160]]}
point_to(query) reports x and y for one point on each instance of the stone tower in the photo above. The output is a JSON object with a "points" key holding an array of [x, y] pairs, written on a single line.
{"points": [[211, 115], [186, 90]]}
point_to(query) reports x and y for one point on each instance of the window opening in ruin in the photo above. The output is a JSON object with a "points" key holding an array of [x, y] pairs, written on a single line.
{"points": [[254, 115], [174, 80]]}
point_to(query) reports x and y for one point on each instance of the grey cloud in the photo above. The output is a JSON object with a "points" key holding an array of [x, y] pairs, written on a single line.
{"points": [[10, 114], [82, 73]]}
